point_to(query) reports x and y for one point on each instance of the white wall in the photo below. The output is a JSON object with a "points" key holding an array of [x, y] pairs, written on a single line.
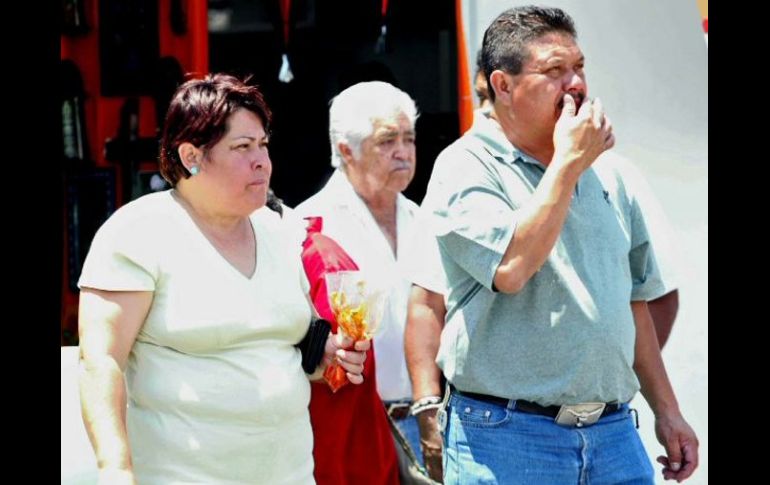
{"points": [[648, 62]]}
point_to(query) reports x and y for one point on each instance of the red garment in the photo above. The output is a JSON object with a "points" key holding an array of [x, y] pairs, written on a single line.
{"points": [[352, 439]]}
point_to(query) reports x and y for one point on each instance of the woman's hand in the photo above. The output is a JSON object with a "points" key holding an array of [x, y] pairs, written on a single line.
{"points": [[350, 357]]}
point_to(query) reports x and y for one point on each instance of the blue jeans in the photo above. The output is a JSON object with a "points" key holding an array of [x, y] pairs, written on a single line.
{"points": [[491, 443], [411, 431]]}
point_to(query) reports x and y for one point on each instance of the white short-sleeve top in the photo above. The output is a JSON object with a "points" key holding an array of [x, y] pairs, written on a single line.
{"points": [[216, 390]]}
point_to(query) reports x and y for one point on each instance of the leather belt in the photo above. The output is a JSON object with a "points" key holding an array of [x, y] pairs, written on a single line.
{"points": [[529, 407]]}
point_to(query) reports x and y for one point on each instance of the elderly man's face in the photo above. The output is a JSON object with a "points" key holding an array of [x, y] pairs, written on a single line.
{"points": [[387, 159]]}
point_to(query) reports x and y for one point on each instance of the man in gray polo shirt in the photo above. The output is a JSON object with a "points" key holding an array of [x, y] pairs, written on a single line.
{"points": [[548, 266]]}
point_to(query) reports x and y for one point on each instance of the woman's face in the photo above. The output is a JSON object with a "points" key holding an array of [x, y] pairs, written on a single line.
{"points": [[237, 169]]}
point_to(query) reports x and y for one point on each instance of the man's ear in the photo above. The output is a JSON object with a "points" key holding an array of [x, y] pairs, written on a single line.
{"points": [[502, 83], [189, 154], [346, 152]]}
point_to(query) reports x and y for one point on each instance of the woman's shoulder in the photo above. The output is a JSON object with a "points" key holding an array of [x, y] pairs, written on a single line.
{"points": [[287, 228], [147, 212], [128, 240]]}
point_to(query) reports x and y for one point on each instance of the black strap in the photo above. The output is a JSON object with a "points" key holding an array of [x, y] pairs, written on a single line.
{"points": [[313, 344]]}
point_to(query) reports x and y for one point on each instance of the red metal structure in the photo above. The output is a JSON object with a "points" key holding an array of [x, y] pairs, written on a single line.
{"points": [[182, 35]]}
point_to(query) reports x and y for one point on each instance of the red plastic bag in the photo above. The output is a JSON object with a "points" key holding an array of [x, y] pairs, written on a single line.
{"points": [[322, 255]]}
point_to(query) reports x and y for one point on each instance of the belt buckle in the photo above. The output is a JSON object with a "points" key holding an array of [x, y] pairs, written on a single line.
{"points": [[393, 410], [579, 415], [441, 414]]}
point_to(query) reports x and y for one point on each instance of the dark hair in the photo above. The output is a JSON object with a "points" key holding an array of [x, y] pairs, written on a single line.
{"points": [[481, 91], [198, 114], [274, 203], [479, 62], [506, 38]]}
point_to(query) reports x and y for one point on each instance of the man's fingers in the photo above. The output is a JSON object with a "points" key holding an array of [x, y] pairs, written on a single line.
{"points": [[609, 142], [597, 113], [674, 453], [690, 451], [434, 466], [690, 461], [569, 106], [607, 124], [668, 474], [686, 471]]}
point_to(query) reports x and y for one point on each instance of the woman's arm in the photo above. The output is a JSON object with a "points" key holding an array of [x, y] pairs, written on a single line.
{"points": [[109, 322]]}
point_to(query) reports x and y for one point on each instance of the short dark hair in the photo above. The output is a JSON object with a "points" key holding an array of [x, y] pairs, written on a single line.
{"points": [[506, 38], [481, 91], [274, 203], [198, 114]]}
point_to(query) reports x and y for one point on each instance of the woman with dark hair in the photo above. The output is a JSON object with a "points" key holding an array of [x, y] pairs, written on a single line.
{"points": [[200, 302]]}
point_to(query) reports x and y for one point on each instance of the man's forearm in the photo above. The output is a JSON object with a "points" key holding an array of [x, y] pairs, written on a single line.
{"points": [[539, 225], [648, 364], [663, 311], [422, 337]]}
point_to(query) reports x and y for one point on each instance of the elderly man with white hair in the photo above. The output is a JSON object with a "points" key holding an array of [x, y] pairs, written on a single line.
{"points": [[371, 127]]}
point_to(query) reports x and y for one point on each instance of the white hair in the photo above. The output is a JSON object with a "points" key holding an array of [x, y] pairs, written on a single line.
{"points": [[354, 111]]}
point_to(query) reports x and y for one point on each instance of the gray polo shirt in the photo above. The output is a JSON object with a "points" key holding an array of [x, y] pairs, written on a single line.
{"points": [[568, 335]]}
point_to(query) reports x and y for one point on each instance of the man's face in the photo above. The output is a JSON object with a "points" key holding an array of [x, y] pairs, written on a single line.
{"points": [[480, 87], [553, 68], [387, 159]]}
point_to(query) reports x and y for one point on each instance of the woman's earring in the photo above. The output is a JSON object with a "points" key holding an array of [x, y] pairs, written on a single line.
{"points": [[194, 170]]}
